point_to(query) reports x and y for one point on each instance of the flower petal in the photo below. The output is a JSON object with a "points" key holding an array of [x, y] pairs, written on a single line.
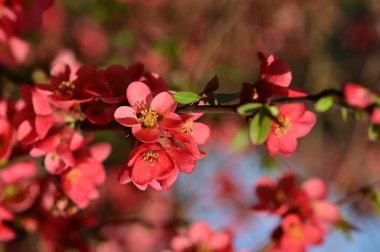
{"points": [[126, 116], [163, 104], [139, 95], [146, 135]]}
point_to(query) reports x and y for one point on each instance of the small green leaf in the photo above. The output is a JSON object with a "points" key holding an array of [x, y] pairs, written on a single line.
{"points": [[374, 196], [373, 132], [240, 141], [344, 114], [324, 104], [345, 227], [186, 97], [248, 108], [268, 163], [259, 128], [273, 110]]}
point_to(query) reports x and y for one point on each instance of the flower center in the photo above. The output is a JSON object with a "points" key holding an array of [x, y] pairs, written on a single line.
{"points": [[73, 175], [148, 118], [282, 126], [66, 87], [296, 232], [150, 157], [9, 191], [187, 127]]}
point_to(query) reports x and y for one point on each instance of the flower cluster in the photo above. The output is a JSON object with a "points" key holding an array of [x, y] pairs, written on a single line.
{"points": [[15, 17], [305, 213], [168, 140]]}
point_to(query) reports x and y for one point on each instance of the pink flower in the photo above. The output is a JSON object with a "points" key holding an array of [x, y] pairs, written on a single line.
{"points": [[293, 122], [80, 181], [149, 164], [18, 190], [358, 96], [148, 116], [324, 212], [35, 117], [200, 237], [58, 149], [200, 132], [297, 235]]}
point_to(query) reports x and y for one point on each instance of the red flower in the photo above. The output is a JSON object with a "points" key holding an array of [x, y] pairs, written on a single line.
{"points": [[293, 122], [67, 88], [358, 96], [298, 235], [200, 132], [147, 116], [149, 164]]}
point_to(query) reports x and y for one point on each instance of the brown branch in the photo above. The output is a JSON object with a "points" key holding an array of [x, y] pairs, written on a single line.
{"points": [[358, 193]]}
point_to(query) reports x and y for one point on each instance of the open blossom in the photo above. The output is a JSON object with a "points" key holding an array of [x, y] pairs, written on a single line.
{"points": [[358, 96], [58, 149], [148, 116], [274, 79], [297, 235], [149, 164], [67, 87], [18, 189], [293, 122], [198, 131], [200, 237], [80, 181]]}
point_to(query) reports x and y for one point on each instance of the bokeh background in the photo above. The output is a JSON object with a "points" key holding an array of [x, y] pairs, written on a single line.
{"points": [[326, 43]]}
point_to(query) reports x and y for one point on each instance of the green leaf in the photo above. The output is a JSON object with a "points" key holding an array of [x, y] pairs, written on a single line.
{"points": [[324, 103], [259, 128], [345, 227], [248, 108], [273, 110], [186, 97], [373, 132]]}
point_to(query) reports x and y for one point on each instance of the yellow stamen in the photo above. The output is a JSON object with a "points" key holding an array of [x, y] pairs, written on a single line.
{"points": [[148, 118], [66, 87], [150, 157], [282, 126], [187, 127]]}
